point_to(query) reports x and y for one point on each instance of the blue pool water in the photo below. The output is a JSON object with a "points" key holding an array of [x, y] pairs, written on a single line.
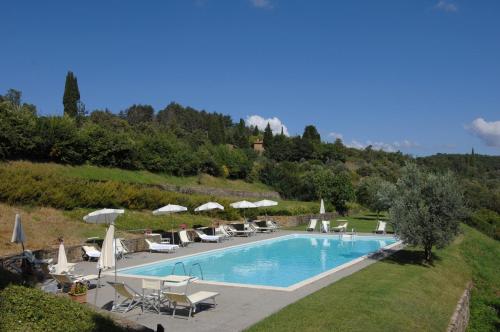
{"points": [[279, 262]]}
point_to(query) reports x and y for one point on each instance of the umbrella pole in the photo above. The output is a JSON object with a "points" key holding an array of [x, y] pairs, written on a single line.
{"points": [[172, 230], [98, 286]]}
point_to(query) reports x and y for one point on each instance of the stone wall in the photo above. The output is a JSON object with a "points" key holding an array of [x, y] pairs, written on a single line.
{"points": [[219, 192], [460, 318]]}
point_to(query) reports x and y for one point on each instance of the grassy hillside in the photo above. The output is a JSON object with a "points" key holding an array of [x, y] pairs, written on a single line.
{"points": [[115, 174], [402, 294]]}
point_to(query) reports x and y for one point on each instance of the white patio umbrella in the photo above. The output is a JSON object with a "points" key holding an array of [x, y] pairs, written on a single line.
{"points": [[209, 206], [243, 205], [322, 207], [105, 216], [18, 232], [62, 260], [265, 203], [168, 209]]}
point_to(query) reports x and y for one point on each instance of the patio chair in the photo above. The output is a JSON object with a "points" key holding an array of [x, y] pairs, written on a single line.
{"points": [[90, 253], [273, 224], [184, 238], [261, 226], [160, 247], [341, 228], [380, 227], [190, 301], [221, 231], [152, 300], [207, 238], [325, 226], [312, 225], [131, 298]]}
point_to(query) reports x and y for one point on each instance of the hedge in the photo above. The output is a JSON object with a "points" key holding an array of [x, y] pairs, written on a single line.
{"points": [[30, 309]]}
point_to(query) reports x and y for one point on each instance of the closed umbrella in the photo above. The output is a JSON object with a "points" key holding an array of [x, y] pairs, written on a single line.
{"points": [[168, 209], [105, 216], [322, 207], [243, 205], [62, 260], [208, 207], [18, 232]]}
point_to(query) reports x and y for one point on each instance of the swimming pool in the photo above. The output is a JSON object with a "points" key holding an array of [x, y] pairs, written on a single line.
{"points": [[284, 262]]}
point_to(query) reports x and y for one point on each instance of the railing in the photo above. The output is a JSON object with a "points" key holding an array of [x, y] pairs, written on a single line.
{"points": [[191, 270], [175, 265]]}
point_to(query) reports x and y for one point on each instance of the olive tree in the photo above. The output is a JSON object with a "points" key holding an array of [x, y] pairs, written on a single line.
{"points": [[427, 208]]}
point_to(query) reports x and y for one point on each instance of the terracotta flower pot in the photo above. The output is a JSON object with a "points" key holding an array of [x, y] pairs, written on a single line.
{"points": [[80, 298]]}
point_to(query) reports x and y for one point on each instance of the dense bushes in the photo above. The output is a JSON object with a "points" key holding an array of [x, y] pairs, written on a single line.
{"points": [[29, 309], [486, 221]]}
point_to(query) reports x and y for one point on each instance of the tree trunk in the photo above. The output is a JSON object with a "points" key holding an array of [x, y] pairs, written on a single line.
{"points": [[428, 252]]}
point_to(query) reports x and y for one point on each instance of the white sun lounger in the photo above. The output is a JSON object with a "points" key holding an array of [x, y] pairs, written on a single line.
{"points": [[90, 252], [184, 238], [340, 228], [238, 232], [312, 225], [207, 238], [325, 226], [161, 247], [190, 301], [67, 280], [121, 249], [380, 227]]}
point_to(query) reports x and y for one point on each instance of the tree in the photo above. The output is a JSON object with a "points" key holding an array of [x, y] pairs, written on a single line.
{"points": [[427, 208], [268, 136], [137, 114], [71, 95], [311, 134], [14, 97], [342, 192], [376, 194], [240, 136]]}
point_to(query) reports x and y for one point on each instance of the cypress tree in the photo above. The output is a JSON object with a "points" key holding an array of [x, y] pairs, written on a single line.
{"points": [[268, 136], [71, 95]]}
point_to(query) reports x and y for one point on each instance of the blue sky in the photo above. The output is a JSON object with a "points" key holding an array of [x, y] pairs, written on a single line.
{"points": [[420, 76]]}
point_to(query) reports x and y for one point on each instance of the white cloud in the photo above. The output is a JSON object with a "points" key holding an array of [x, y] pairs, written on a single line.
{"points": [[266, 4], [335, 135], [388, 147], [488, 132], [446, 6], [261, 123]]}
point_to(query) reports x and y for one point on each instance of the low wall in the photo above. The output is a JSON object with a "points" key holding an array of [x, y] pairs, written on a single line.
{"points": [[460, 318]]}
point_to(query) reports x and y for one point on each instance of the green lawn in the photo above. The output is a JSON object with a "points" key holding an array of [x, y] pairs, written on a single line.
{"points": [[365, 223], [400, 293]]}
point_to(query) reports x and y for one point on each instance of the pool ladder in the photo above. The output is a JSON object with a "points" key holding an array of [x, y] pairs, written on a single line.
{"points": [[190, 270]]}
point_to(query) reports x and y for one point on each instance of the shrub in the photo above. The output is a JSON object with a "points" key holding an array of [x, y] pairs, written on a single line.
{"points": [[486, 221], [29, 309]]}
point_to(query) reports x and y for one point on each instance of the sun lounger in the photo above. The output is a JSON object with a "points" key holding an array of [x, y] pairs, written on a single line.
{"points": [[121, 249], [380, 227], [272, 224], [131, 298], [325, 226], [207, 238], [240, 232], [190, 301], [90, 253], [312, 225], [161, 247], [65, 281], [261, 226], [221, 231], [340, 228], [184, 238]]}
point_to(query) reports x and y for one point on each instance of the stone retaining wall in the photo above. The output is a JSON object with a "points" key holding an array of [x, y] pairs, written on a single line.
{"points": [[220, 192], [460, 318]]}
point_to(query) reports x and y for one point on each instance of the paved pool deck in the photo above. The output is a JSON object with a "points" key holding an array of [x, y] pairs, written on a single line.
{"points": [[237, 307]]}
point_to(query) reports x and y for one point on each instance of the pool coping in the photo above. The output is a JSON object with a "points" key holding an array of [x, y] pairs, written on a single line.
{"points": [[254, 286]]}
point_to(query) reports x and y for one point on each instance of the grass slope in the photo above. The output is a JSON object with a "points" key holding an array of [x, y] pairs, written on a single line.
{"points": [[400, 293]]}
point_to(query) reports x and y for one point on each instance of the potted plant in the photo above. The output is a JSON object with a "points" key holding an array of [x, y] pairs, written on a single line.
{"points": [[78, 292]]}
